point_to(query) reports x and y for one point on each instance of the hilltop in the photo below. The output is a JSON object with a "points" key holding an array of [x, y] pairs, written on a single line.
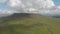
{"points": [[24, 23]]}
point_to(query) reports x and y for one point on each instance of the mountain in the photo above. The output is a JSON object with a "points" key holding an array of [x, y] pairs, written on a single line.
{"points": [[24, 23], [57, 16]]}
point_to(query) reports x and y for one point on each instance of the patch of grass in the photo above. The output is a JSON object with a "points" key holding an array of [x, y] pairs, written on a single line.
{"points": [[30, 25]]}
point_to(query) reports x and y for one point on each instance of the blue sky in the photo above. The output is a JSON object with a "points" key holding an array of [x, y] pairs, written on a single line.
{"points": [[57, 2], [3, 5]]}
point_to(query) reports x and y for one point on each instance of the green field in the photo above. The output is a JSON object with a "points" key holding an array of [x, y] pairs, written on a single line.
{"points": [[32, 24]]}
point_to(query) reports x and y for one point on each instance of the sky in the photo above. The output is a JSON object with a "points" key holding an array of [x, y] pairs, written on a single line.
{"points": [[46, 7], [4, 5], [57, 2]]}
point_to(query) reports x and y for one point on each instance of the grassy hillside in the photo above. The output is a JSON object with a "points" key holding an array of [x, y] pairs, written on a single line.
{"points": [[29, 24]]}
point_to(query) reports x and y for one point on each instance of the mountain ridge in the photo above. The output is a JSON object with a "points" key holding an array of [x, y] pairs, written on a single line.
{"points": [[29, 24]]}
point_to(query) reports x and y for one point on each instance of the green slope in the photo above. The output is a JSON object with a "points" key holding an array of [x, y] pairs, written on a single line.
{"points": [[33, 24]]}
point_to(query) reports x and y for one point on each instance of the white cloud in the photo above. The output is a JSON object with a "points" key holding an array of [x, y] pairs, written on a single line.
{"points": [[58, 7], [31, 4], [15, 4], [34, 6], [2, 1]]}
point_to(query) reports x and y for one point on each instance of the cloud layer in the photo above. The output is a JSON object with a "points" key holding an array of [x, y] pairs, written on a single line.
{"points": [[2, 1], [29, 5], [44, 7]]}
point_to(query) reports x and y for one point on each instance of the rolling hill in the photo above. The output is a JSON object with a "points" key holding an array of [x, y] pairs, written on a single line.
{"points": [[23, 23]]}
